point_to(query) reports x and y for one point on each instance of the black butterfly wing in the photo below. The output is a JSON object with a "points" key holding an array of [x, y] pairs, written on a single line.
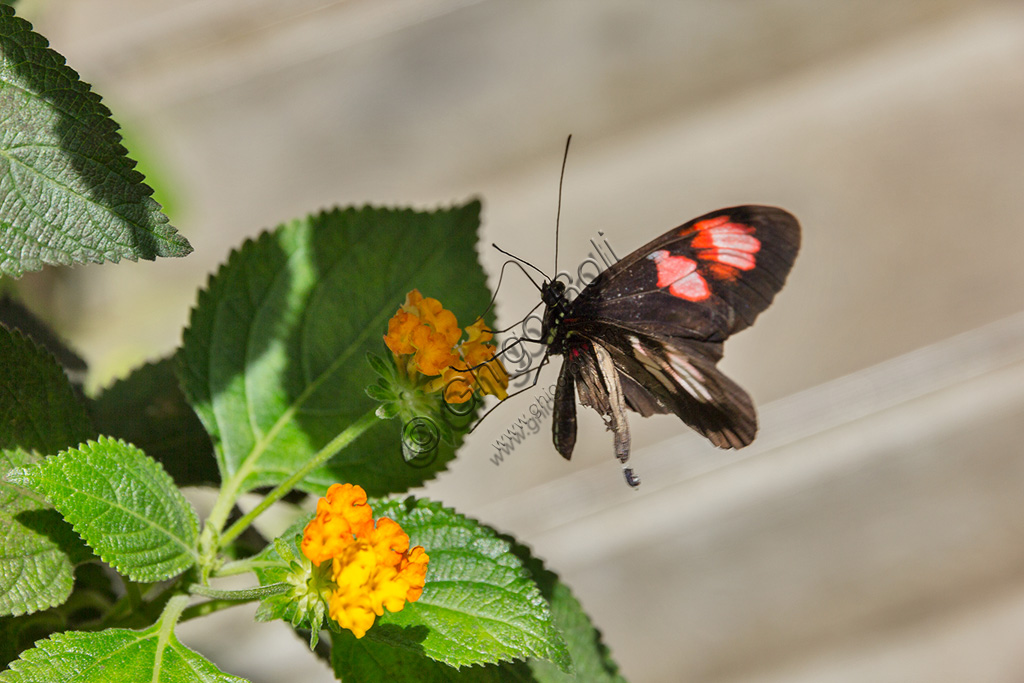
{"points": [[704, 280], [590, 369], [580, 373], [672, 376], [563, 427], [654, 376]]}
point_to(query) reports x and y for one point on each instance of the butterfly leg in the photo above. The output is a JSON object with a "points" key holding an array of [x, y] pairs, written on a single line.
{"points": [[536, 378]]}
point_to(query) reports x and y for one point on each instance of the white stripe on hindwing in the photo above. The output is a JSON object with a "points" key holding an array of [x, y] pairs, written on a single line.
{"points": [[678, 366], [616, 421]]}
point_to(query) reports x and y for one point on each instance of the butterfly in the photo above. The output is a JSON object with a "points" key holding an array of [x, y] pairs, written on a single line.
{"points": [[646, 334]]}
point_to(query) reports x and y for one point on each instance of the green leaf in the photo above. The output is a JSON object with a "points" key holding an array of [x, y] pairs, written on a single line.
{"points": [[20, 633], [71, 195], [124, 505], [15, 316], [592, 662], [114, 656], [479, 604], [386, 653], [379, 365], [368, 661], [40, 415], [39, 409], [274, 360], [149, 410], [92, 597]]}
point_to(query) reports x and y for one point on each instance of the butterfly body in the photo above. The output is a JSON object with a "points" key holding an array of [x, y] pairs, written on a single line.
{"points": [[646, 334]]}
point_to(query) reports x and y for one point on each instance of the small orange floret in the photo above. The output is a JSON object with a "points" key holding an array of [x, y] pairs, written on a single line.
{"points": [[400, 329], [490, 374], [478, 333], [433, 351], [389, 541], [341, 514], [412, 300], [413, 568], [458, 386], [439, 319]]}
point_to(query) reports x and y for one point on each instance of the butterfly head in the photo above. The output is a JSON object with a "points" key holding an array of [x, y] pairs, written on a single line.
{"points": [[552, 293]]}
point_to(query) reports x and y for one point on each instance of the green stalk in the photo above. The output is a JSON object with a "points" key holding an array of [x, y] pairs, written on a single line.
{"points": [[350, 434], [240, 595]]}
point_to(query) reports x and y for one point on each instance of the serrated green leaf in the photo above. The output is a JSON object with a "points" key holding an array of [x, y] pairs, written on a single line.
{"points": [[274, 360], [368, 661], [592, 662], [20, 633], [114, 656], [40, 415], [149, 410], [39, 409], [479, 604], [90, 600], [124, 505], [69, 192], [16, 316]]}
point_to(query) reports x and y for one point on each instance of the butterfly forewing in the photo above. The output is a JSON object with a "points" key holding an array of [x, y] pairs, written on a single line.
{"points": [[704, 280]]}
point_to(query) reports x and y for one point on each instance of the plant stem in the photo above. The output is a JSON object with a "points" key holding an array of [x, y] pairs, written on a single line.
{"points": [[350, 434], [241, 595], [172, 612]]}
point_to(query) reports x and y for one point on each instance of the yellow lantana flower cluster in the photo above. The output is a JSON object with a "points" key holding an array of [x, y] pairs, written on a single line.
{"points": [[424, 338], [371, 566]]}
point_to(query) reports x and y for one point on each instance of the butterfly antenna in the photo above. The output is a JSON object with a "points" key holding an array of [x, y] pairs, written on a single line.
{"points": [[558, 212], [518, 261], [494, 297]]}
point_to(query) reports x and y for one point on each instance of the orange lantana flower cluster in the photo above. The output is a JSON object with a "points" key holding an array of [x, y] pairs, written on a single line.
{"points": [[371, 566], [424, 338]]}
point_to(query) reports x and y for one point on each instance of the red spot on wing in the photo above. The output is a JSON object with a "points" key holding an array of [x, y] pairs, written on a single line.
{"points": [[680, 275], [730, 247]]}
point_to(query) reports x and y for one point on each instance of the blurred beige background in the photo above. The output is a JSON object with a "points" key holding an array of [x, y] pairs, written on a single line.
{"points": [[873, 532]]}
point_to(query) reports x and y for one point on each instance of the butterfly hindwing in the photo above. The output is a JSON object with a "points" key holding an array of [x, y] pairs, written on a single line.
{"points": [[669, 376], [662, 376]]}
